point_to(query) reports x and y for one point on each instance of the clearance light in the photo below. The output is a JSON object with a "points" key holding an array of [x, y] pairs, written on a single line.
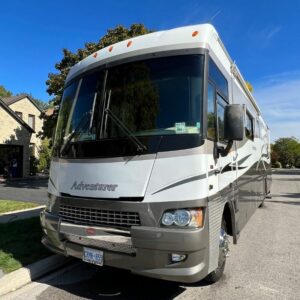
{"points": [[195, 33], [95, 54], [129, 43], [110, 48]]}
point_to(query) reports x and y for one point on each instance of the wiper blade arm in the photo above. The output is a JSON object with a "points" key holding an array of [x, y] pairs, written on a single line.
{"points": [[140, 146], [66, 146]]}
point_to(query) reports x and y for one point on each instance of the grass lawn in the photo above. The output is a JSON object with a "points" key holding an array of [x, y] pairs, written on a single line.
{"points": [[10, 205], [20, 244]]}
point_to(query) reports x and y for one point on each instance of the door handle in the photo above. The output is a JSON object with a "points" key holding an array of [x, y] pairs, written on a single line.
{"points": [[217, 171]]}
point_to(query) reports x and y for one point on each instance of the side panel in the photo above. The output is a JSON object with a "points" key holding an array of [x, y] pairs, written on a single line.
{"points": [[215, 211]]}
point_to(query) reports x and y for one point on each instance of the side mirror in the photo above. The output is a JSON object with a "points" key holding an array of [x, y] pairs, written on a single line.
{"points": [[234, 122]]}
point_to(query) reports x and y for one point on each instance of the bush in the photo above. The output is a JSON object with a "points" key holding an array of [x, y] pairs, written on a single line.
{"points": [[33, 165], [44, 155]]}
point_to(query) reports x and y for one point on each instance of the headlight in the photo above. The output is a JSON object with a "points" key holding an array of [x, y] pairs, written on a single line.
{"points": [[183, 217], [168, 219]]}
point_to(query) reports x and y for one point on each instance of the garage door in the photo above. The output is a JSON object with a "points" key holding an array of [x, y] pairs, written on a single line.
{"points": [[11, 161]]}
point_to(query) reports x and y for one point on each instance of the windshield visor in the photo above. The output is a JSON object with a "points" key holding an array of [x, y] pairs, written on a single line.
{"points": [[154, 97]]}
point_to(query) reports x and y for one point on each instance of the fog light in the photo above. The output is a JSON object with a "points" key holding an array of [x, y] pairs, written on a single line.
{"points": [[177, 257]]}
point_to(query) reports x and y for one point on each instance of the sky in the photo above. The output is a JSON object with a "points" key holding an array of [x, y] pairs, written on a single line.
{"points": [[262, 37]]}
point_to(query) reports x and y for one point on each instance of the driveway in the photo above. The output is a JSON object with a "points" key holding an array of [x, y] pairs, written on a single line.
{"points": [[29, 189], [265, 264]]}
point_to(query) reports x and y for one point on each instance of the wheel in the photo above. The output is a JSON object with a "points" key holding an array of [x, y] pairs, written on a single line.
{"points": [[265, 194], [262, 204], [215, 275]]}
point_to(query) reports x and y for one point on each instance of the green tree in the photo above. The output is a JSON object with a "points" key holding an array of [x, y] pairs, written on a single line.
{"points": [[287, 151], [56, 81], [4, 92], [44, 155]]}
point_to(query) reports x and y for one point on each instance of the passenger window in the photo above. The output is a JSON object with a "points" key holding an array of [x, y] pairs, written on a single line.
{"points": [[211, 119], [257, 129], [221, 103], [218, 78], [249, 126]]}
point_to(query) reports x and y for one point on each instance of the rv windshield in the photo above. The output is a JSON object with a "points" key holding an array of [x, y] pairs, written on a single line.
{"points": [[159, 96]]}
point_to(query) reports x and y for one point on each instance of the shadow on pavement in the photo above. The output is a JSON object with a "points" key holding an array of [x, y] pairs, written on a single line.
{"points": [[111, 283], [26, 183]]}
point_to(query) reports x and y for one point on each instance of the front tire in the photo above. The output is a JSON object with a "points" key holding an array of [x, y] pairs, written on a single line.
{"points": [[215, 275]]}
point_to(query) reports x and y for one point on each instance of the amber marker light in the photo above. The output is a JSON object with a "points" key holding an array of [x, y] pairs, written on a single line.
{"points": [[197, 217], [195, 33], [129, 43], [95, 54], [110, 48]]}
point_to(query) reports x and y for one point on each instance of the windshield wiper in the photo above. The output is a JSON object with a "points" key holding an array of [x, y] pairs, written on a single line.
{"points": [[66, 146], [140, 146]]}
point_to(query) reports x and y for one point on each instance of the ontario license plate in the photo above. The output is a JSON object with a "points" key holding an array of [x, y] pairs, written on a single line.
{"points": [[93, 256]]}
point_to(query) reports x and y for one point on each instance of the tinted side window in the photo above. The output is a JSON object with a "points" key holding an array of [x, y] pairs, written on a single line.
{"points": [[218, 78], [249, 126], [211, 119], [221, 103], [257, 129]]}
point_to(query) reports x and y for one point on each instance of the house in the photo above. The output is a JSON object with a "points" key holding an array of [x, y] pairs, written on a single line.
{"points": [[19, 125]]}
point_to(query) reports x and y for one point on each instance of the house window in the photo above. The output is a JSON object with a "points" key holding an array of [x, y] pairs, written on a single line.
{"points": [[19, 114], [31, 121]]}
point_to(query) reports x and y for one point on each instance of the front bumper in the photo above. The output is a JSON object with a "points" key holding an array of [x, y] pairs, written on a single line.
{"points": [[144, 251]]}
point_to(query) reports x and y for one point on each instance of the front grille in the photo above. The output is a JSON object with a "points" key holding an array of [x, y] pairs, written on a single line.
{"points": [[94, 216]]}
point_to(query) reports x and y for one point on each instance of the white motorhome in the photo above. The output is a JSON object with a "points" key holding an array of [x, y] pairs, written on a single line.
{"points": [[161, 152]]}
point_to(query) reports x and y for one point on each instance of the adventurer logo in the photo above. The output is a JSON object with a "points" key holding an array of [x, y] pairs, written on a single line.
{"points": [[93, 187]]}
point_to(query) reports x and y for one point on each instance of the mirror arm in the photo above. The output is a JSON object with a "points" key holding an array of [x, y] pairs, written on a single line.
{"points": [[224, 151]]}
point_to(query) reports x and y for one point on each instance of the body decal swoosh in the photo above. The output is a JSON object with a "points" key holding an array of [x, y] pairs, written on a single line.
{"points": [[194, 178], [229, 167]]}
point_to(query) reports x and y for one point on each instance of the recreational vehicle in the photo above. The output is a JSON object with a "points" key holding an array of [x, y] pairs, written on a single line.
{"points": [[160, 155]]}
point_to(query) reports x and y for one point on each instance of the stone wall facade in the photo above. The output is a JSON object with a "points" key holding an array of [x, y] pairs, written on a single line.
{"points": [[26, 107], [13, 133]]}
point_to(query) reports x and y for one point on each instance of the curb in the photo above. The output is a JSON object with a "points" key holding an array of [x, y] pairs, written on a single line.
{"points": [[15, 280], [21, 214]]}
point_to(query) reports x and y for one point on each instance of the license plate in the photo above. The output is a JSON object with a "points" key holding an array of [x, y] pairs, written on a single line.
{"points": [[93, 256]]}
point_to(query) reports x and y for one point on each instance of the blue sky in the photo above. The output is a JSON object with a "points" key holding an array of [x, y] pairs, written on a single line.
{"points": [[261, 36]]}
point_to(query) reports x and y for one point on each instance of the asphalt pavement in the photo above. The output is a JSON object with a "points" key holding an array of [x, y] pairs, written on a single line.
{"points": [[265, 264], [29, 190]]}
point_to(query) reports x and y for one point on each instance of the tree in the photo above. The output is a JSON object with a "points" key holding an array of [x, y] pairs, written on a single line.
{"points": [[4, 92], [287, 151], [45, 152], [56, 81]]}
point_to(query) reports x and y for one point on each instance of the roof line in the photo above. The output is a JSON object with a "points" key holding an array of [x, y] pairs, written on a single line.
{"points": [[20, 97], [15, 116]]}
